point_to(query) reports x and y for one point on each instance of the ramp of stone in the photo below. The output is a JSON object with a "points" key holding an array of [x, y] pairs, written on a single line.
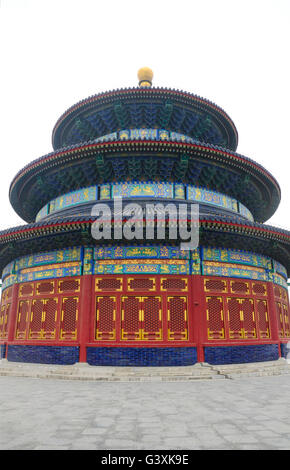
{"points": [[200, 371]]}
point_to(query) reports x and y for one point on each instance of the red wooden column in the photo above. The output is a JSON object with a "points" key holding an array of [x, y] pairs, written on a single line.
{"points": [[85, 314], [12, 316], [273, 316]]}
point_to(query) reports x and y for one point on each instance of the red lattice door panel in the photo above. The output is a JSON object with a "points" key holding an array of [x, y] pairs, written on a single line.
{"points": [[69, 318], [215, 317], [36, 319], [4, 315], [286, 320], [263, 318], [151, 318], [131, 318], [279, 311], [177, 318], [22, 319], [248, 318], [50, 318], [235, 318], [105, 317]]}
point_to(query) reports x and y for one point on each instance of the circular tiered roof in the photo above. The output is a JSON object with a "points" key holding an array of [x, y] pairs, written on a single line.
{"points": [[162, 108]]}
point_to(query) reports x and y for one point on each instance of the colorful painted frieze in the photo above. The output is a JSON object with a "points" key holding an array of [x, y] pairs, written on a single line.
{"points": [[105, 191], [42, 213], [58, 256], [74, 198], [131, 252], [235, 256], [9, 281], [143, 266], [50, 273], [9, 269], [278, 279], [211, 197], [179, 191], [145, 134], [244, 211], [146, 189], [231, 270], [279, 269]]}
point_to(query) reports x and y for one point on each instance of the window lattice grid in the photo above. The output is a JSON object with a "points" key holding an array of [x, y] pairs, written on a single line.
{"points": [[152, 318], [5, 321], [50, 318], [177, 318], [263, 318], [248, 318], [177, 284], [69, 285], [45, 288], [259, 289], [234, 318], [131, 311], [22, 319], [215, 317], [279, 313], [141, 283], [36, 318], [109, 283], [69, 318], [286, 320], [216, 285], [105, 318], [239, 287], [277, 292], [26, 290]]}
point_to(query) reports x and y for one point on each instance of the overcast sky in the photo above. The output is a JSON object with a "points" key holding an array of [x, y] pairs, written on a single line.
{"points": [[232, 52]]}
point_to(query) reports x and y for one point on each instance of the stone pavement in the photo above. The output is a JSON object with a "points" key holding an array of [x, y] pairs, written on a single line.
{"points": [[244, 412]]}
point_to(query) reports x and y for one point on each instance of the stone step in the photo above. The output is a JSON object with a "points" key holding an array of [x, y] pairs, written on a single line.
{"points": [[200, 371]]}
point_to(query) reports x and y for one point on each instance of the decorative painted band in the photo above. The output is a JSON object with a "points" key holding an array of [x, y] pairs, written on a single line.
{"points": [[241, 354], [43, 354], [141, 357], [144, 189], [154, 259]]}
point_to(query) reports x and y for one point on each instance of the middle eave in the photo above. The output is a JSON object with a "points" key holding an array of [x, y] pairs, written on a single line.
{"points": [[91, 163]]}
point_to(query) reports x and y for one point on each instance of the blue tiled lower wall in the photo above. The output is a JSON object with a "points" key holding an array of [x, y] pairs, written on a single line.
{"points": [[43, 354], [285, 349], [141, 357], [241, 354], [2, 351]]}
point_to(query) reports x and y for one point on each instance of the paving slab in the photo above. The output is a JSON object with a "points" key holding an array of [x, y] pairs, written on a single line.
{"points": [[242, 413]]}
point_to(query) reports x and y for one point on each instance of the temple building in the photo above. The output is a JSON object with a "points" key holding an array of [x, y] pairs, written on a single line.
{"points": [[69, 296]]}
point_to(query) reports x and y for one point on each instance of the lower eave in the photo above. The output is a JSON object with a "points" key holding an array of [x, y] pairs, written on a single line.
{"points": [[39, 237]]}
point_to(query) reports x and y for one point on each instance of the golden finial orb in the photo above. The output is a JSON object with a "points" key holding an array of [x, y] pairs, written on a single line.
{"points": [[145, 76]]}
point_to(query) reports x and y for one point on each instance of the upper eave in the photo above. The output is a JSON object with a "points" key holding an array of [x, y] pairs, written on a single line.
{"points": [[153, 94]]}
